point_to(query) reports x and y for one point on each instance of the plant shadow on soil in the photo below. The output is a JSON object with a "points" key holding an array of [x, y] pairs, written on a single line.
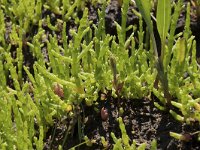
{"points": [[140, 115]]}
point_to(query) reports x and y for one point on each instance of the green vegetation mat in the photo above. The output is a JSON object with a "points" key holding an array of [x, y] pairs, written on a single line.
{"points": [[61, 58]]}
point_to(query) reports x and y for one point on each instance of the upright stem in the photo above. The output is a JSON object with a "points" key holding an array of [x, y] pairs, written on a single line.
{"points": [[162, 75]]}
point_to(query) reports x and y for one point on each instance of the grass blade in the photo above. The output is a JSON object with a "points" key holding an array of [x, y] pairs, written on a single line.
{"points": [[144, 7], [163, 16]]}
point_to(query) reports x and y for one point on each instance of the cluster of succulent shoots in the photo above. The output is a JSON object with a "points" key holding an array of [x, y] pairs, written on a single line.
{"points": [[85, 61]]}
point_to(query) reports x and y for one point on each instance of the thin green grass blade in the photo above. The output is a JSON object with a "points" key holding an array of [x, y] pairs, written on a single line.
{"points": [[163, 16], [144, 8]]}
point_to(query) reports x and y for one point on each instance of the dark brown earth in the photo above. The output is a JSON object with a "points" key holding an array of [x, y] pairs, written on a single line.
{"points": [[140, 116]]}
